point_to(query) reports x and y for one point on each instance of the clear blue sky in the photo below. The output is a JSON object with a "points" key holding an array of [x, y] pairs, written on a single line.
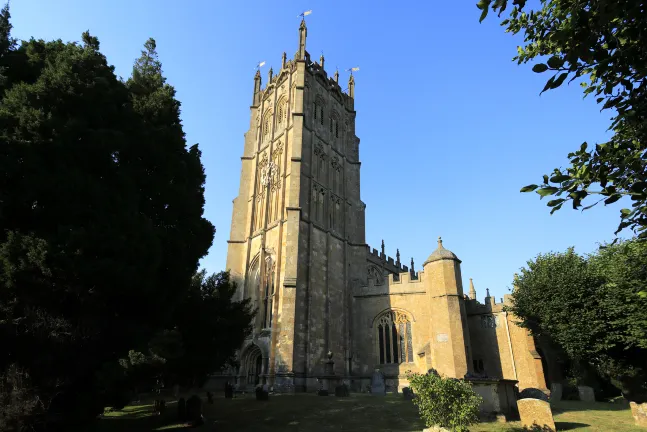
{"points": [[450, 127]]}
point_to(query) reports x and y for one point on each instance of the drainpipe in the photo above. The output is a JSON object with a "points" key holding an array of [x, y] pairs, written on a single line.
{"points": [[507, 332]]}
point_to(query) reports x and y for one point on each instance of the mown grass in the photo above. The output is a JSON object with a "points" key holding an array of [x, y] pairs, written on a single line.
{"points": [[311, 413]]}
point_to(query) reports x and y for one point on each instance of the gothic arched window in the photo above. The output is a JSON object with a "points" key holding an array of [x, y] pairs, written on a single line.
{"points": [[268, 292], [267, 125], [281, 113], [394, 339]]}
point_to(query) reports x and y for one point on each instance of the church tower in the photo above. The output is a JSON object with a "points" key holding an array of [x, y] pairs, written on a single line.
{"points": [[297, 232]]}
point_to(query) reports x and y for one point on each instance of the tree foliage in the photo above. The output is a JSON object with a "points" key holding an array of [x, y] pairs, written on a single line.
{"points": [[591, 308], [101, 212], [446, 402], [600, 43]]}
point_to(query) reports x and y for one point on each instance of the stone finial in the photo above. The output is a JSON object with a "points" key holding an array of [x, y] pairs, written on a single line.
{"points": [[337, 76], [321, 60], [412, 266], [487, 292], [472, 290], [269, 75], [257, 88], [397, 257], [303, 33], [382, 246], [440, 243], [351, 86], [283, 60]]}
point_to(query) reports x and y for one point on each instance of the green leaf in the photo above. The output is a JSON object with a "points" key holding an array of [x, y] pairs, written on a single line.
{"points": [[625, 212], [558, 82], [559, 178], [612, 199], [539, 68], [529, 188], [553, 203], [547, 191], [556, 62]]}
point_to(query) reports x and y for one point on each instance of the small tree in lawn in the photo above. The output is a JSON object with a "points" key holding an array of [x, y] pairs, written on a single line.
{"points": [[446, 402]]}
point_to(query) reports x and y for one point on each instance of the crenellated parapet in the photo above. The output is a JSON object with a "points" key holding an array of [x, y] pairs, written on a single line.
{"points": [[393, 284]]}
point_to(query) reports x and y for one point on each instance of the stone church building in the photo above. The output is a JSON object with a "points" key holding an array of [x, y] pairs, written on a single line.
{"points": [[297, 248]]}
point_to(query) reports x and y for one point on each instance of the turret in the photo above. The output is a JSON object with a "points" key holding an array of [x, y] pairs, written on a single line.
{"points": [[257, 89], [450, 336], [303, 33]]}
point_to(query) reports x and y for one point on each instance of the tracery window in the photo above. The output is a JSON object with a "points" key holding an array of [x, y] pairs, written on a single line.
{"points": [[268, 292], [489, 321], [281, 113], [267, 125], [394, 338], [274, 183], [265, 170]]}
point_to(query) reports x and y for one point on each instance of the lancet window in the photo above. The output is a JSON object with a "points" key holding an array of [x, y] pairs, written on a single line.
{"points": [[274, 183], [394, 338], [281, 113], [264, 166], [267, 125], [268, 291]]}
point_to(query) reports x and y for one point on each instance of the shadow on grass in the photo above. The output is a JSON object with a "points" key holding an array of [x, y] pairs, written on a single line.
{"points": [[565, 426], [563, 406]]}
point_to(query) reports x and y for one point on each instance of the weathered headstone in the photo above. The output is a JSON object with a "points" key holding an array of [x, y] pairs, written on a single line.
{"points": [[194, 411], [377, 383], [407, 393], [533, 393], [181, 410], [229, 391], [261, 394], [639, 413], [341, 391], [536, 413], [586, 394], [555, 392]]}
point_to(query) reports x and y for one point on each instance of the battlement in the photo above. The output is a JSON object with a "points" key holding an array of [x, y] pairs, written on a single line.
{"points": [[490, 305], [403, 285], [391, 265]]}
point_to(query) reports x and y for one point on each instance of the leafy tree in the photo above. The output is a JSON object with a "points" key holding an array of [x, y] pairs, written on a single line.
{"points": [[445, 402], [590, 307], [213, 327], [602, 41], [101, 209]]}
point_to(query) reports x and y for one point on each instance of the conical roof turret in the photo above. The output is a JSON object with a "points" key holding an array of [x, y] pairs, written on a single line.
{"points": [[441, 254]]}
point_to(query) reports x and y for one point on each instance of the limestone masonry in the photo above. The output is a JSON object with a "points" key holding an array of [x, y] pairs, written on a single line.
{"points": [[297, 249]]}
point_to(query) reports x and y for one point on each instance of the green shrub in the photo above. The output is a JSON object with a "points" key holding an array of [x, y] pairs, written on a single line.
{"points": [[446, 402]]}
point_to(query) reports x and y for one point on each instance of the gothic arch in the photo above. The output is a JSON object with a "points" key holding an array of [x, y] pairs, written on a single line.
{"points": [[266, 125], [408, 314], [282, 113], [376, 273], [393, 337]]}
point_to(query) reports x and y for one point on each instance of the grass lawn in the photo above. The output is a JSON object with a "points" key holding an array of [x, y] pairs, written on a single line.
{"points": [[311, 413]]}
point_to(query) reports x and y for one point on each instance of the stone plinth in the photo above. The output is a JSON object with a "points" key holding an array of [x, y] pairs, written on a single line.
{"points": [[498, 395], [639, 413], [586, 394], [536, 412]]}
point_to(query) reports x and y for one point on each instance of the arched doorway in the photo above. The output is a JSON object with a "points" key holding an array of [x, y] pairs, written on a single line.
{"points": [[253, 366]]}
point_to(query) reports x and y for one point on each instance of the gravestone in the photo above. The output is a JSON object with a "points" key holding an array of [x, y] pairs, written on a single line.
{"points": [[639, 413], [181, 410], [586, 394], [555, 392], [229, 391], [536, 413], [533, 393], [341, 391], [378, 387], [194, 411], [407, 393], [262, 394]]}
